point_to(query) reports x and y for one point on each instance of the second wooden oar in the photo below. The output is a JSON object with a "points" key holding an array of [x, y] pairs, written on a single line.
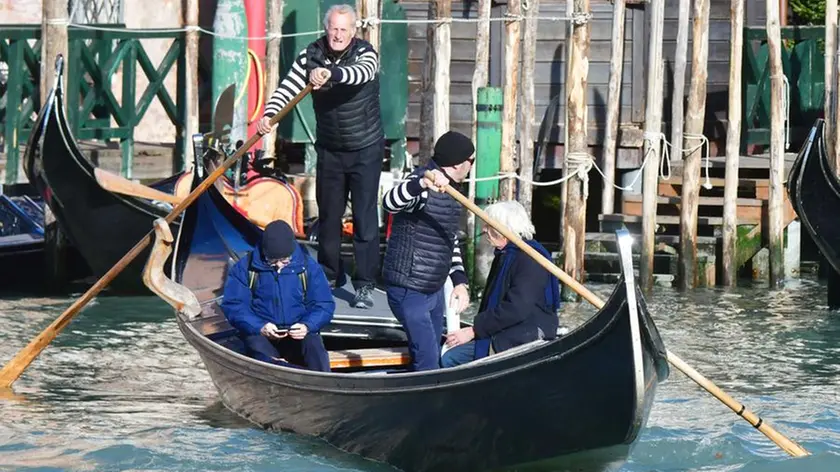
{"points": [[782, 441]]}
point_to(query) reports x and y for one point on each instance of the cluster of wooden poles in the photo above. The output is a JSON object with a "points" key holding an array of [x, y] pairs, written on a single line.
{"points": [[687, 121]]}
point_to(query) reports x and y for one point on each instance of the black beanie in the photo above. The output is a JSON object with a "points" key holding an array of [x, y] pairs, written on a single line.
{"points": [[452, 148], [278, 240]]}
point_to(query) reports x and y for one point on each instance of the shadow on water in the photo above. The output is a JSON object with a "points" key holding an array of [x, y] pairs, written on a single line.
{"points": [[121, 389]]}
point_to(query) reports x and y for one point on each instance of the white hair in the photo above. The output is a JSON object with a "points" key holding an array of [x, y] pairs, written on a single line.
{"points": [[512, 215], [343, 9]]}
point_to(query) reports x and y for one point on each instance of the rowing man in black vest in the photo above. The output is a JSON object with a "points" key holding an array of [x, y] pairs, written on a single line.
{"points": [[423, 249], [350, 142]]}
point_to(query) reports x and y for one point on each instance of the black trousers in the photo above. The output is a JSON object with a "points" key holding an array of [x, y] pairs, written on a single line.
{"points": [[357, 173]]}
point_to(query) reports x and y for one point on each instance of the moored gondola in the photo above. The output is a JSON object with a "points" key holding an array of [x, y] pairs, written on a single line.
{"points": [[580, 400], [21, 241], [104, 224], [814, 191], [101, 225]]}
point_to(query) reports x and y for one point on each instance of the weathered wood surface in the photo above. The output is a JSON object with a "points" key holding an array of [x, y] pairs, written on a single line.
{"points": [[54, 28], [273, 28], [733, 142], [677, 97], [694, 120], [441, 80], [775, 210], [191, 77], [613, 106], [527, 118], [653, 126], [551, 65], [513, 50], [574, 219], [829, 101]]}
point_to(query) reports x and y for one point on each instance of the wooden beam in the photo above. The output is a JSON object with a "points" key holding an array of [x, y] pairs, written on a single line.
{"points": [[526, 133], [513, 49], [443, 51], [480, 78], [54, 42], [574, 231], [613, 106], [695, 117], [653, 144], [190, 78], [830, 48], [733, 144], [371, 32], [678, 97], [427, 92], [273, 26], [775, 227]]}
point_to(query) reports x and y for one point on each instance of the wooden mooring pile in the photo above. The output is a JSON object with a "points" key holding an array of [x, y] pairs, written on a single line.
{"points": [[714, 219]]}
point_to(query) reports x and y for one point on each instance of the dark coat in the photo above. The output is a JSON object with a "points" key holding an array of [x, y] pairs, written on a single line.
{"points": [[277, 297], [522, 307]]}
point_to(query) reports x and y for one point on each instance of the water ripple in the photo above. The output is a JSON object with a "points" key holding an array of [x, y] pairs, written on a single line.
{"points": [[120, 389]]}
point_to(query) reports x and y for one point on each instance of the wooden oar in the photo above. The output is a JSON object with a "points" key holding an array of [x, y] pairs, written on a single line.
{"points": [[789, 446], [15, 367], [118, 184]]}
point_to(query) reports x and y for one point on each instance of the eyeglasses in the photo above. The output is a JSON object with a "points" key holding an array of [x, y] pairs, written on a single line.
{"points": [[283, 261]]}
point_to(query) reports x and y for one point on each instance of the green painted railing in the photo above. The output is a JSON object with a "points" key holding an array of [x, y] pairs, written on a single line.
{"points": [[94, 112], [803, 63]]}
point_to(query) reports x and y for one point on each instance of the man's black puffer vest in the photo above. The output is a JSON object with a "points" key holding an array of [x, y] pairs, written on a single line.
{"points": [[348, 116], [419, 252]]}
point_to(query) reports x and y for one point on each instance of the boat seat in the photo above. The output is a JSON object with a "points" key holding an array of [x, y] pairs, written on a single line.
{"points": [[371, 357]]}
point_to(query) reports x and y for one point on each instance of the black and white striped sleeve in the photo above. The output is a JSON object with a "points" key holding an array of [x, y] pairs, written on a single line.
{"points": [[292, 84], [407, 196], [363, 71], [457, 272]]}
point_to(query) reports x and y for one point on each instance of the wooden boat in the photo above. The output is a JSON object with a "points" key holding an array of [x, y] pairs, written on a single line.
{"points": [[21, 241], [812, 187], [101, 225], [580, 400], [104, 224]]}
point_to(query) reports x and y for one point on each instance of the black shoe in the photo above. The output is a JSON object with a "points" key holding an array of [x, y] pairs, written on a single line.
{"points": [[364, 297]]}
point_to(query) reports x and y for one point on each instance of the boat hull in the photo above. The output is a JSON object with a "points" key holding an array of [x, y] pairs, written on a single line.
{"points": [[813, 187], [101, 225], [566, 398]]}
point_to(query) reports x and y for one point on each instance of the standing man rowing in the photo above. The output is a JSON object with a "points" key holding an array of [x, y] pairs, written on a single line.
{"points": [[350, 142]]}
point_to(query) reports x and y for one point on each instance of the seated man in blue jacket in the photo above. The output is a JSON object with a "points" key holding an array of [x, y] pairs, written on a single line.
{"points": [[278, 298]]}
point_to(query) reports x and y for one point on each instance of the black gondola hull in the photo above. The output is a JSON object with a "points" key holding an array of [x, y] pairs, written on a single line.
{"points": [[580, 399], [814, 191], [564, 399], [101, 225]]}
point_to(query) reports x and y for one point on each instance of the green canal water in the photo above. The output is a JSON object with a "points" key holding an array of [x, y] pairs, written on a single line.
{"points": [[120, 389]]}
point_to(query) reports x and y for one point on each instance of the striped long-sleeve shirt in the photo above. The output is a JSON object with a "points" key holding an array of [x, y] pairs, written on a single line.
{"points": [[363, 70], [410, 196]]}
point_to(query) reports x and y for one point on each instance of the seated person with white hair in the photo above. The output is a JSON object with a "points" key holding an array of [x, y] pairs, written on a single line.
{"points": [[520, 299]]}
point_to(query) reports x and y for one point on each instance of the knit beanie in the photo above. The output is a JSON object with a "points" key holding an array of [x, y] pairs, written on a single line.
{"points": [[452, 148], [278, 240]]}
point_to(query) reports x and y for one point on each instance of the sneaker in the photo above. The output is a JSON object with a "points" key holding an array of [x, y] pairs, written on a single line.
{"points": [[364, 297]]}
